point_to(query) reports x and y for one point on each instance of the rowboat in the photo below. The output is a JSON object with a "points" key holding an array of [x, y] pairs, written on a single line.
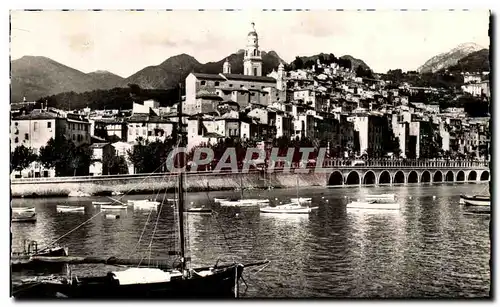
{"points": [[78, 194], [373, 204], [23, 209], [244, 202], [100, 203], [475, 200], [292, 208], [113, 207], [24, 217], [218, 200], [301, 200], [146, 204], [371, 197], [199, 210], [70, 209]]}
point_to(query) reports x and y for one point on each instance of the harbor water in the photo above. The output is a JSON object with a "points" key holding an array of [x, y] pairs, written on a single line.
{"points": [[430, 248]]}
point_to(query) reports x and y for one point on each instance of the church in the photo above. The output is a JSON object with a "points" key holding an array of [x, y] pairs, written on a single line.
{"points": [[206, 92]]}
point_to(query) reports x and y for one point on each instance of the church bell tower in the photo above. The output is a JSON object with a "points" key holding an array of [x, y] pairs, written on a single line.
{"points": [[252, 61]]}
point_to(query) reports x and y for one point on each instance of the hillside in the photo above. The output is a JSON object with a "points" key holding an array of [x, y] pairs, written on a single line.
{"points": [[450, 58], [105, 79], [478, 61], [355, 62], [35, 76]]}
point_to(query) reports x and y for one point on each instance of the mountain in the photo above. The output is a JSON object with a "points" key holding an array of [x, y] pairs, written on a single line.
{"points": [[355, 62], [450, 58], [478, 61], [105, 79], [168, 74], [36, 76]]}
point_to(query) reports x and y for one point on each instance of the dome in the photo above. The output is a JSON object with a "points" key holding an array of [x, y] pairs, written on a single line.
{"points": [[252, 33]]}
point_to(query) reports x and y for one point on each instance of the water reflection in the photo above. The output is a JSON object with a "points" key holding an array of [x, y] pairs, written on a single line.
{"points": [[428, 248]]}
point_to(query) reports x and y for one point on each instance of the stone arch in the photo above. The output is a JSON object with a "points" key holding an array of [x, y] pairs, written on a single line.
{"points": [[438, 177], [399, 177], [412, 177], [369, 178], [336, 178], [426, 177], [449, 177], [485, 175], [472, 176], [352, 178], [385, 177], [460, 176]]}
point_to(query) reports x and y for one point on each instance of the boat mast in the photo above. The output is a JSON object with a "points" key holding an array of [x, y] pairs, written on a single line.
{"points": [[180, 201]]}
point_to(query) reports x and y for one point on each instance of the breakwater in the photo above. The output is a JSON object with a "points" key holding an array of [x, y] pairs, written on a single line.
{"points": [[150, 183]]}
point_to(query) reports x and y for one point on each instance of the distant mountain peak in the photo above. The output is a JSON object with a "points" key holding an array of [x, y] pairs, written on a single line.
{"points": [[449, 58]]}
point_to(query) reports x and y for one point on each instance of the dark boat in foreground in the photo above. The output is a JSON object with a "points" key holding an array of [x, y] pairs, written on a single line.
{"points": [[23, 261]]}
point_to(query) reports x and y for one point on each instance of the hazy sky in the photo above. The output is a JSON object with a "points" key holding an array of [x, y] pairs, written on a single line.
{"points": [[124, 42]]}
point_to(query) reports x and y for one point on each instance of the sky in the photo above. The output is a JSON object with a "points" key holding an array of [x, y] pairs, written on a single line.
{"points": [[124, 42]]}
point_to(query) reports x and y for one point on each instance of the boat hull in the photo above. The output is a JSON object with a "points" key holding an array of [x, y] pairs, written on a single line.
{"points": [[218, 285], [379, 206], [475, 200]]}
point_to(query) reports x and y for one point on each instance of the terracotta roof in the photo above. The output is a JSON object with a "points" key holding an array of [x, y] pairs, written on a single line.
{"points": [[38, 115]]}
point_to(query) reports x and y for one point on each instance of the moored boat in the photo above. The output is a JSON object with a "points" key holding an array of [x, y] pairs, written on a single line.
{"points": [[24, 260], [146, 204], [377, 197], [292, 208], [475, 200], [199, 210], [24, 217], [23, 209], [218, 200], [100, 203], [373, 204], [70, 209], [113, 207]]}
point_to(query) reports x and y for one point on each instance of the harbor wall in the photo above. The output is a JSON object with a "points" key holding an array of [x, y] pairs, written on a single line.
{"points": [[147, 183]]}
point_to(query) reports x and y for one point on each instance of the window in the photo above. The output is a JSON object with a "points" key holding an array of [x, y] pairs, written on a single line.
{"points": [[241, 85], [203, 82], [49, 124], [26, 136], [255, 52], [73, 137], [35, 126], [255, 71], [16, 140], [217, 83], [16, 124], [150, 133], [230, 85]]}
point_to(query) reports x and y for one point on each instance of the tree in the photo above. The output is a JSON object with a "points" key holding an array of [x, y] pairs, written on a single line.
{"points": [[65, 157], [364, 73], [297, 63], [113, 164], [149, 157], [21, 158]]}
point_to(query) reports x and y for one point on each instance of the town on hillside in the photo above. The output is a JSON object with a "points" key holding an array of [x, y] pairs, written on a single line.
{"points": [[325, 102]]}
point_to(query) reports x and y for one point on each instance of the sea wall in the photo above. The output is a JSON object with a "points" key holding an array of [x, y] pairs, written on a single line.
{"points": [[135, 184]]}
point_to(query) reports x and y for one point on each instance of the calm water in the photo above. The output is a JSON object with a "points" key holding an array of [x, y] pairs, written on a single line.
{"points": [[429, 248]]}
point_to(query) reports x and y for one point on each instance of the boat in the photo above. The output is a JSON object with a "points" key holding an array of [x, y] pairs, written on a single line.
{"points": [[115, 193], [23, 209], [146, 204], [292, 208], [100, 203], [199, 210], [24, 217], [244, 202], [375, 197], [218, 200], [301, 200], [20, 261], [373, 204], [78, 194], [475, 200], [113, 207], [178, 281], [70, 209]]}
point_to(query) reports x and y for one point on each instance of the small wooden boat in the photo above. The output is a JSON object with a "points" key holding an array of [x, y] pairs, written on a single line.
{"points": [[23, 209], [112, 216], [218, 200], [100, 203], [373, 204], [475, 200], [146, 204], [78, 194], [70, 209], [113, 207], [20, 261], [375, 197], [114, 193], [301, 200], [199, 210], [292, 208], [24, 217]]}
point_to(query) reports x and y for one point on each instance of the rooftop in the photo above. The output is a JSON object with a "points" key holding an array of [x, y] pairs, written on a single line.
{"points": [[249, 78], [208, 76]]}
